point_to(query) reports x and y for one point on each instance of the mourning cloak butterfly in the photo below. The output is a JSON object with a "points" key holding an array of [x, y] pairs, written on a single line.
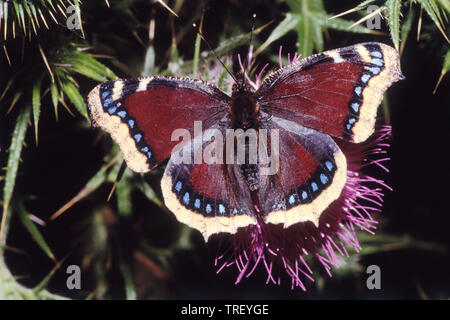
{"points": [[330, 95]]}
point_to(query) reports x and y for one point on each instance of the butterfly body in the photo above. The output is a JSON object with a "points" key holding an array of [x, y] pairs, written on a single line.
{"points": [[303, 108], [244, 110]]}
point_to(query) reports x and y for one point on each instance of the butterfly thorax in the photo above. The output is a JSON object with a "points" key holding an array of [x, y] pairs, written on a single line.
{"points": [[244, 112], [243, 109]]}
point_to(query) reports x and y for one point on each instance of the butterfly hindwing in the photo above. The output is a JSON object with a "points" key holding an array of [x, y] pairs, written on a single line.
{"points": [[210, 197], [335, 92], [141, 114], [311, 175]]}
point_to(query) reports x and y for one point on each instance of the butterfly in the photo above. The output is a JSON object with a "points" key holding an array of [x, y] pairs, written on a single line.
{"points": [[311, 103]]}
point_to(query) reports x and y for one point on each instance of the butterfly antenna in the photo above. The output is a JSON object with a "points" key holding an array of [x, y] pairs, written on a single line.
{"points": [[253, 28], [249, 56], [214, 52]]}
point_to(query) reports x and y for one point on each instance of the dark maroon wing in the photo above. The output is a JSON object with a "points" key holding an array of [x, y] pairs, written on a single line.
{"points": [[336, 92], [210, 197], [311, 174], [141, 114]]}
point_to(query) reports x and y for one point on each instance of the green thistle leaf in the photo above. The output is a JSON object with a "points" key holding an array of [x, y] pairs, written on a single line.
{"points": [[55, 98], [433, 12], [84, 64], [15, 150], [33, 230], [289, 23], [393, 14], [36, 102], [445, 69], [76, 98]]}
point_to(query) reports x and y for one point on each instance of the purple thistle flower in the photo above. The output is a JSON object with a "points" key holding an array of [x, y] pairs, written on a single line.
{"points": [[273, 246]]}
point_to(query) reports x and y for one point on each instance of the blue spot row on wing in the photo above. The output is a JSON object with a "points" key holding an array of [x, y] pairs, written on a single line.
{"points": [[306, 193], [114, 108], [377, 63], [207, 207], [203, 205], [105, 94]]}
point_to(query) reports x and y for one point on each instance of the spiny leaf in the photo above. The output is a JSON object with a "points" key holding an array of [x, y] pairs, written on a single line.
{"points": [[36, 102], [10, 289], [429, 8], [228, 45], [406, 28], [446, 66], [150, 194], [76, 98], [445, 69], [16, 98], [364, 4], [127, 274], [78, 13], [15, 150], [123, 193], [8, 85], [167, 7], [360, 6], [223, 48], [149, 64], [175, 60], [305, 30], [317, 37], [33, 230], [130, 289], [86, 65], [20, 15], [96, 181], [41, 286], [371, 15], [55, 97], [295, 6], [445, 4], [393, 14], [435, 8], [338, 24], [385, 242], [288, 24], [5, 18], [44, 58]]}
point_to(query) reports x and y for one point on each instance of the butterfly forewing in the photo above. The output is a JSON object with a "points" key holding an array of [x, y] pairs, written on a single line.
{"points": [[336, 92], [141, 114]]}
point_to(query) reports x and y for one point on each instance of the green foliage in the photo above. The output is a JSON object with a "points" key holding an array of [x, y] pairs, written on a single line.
{"points": [[15, 150], [445, 69], [309, 19], [393, 16], [33, 230]]}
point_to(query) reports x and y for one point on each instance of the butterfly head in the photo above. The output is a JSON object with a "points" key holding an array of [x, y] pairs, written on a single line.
{"points": [[241, 86]]}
